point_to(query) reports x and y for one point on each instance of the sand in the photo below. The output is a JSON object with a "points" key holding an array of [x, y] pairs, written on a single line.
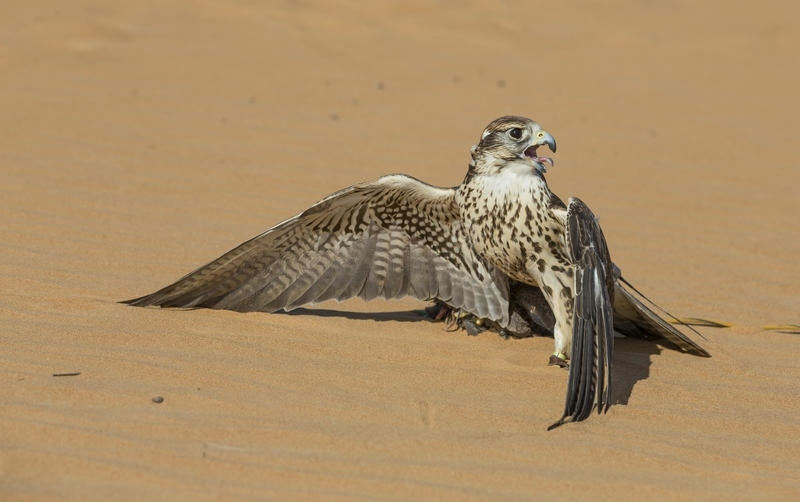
{"points": [[139, 140]]}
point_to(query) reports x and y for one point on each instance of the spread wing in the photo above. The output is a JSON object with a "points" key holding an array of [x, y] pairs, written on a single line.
{"points": [[593, 318], [390, 238]]}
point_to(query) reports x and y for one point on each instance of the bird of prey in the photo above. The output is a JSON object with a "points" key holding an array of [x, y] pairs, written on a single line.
{"points": [[500, 246]]}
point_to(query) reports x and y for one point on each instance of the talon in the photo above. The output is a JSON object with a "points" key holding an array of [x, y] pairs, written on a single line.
{"points": [[558, 360]]}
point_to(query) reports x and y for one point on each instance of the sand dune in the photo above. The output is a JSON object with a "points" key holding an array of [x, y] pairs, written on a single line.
{"points": [[139, 141]]}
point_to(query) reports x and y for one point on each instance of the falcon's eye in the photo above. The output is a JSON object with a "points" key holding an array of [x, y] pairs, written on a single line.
{"points": [[515, 133]]}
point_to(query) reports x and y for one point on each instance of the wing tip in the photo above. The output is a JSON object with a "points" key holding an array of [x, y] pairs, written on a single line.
{"points": [[696, 351], [559, 423], [142, 301]]}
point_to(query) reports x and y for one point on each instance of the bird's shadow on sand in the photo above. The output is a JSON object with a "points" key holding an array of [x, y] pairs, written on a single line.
{"points": [[396, 316], [632, 357], [632, 360]]}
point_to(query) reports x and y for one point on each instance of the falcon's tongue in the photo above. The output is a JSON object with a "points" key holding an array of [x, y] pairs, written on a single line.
{"points": [[531, 154]]}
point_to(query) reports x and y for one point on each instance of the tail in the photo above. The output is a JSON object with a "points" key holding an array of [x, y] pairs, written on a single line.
{"points": [[633, 318]]}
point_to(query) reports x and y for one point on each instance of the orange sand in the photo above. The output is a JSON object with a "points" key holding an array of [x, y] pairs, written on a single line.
{"points": [[139, 140]]}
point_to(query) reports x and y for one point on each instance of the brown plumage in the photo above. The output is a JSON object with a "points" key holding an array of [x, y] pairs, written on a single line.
{"points": [[497, 246]]}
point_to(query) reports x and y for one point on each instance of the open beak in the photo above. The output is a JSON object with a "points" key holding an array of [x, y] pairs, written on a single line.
{"points": [[541, 138]]}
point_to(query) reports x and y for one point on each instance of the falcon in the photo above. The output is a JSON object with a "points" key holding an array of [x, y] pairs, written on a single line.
{"points": [[499, 247]]}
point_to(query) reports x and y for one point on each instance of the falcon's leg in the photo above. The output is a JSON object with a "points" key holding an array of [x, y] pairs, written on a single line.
{"points": [[557, 291], [563, 343]]}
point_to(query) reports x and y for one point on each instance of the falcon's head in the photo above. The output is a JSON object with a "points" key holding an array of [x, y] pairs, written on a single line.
{"points": [[511, 139]]}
